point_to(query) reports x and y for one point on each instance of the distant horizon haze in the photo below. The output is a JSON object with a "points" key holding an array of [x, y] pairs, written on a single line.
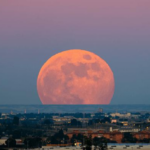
{"points": [[73, 108]]}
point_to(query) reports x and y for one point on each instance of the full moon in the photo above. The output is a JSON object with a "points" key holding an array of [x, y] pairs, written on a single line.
{"points": [[75, 77]]}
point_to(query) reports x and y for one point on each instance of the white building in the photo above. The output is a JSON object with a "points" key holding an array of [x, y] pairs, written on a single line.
{"points": [[126, 115]]}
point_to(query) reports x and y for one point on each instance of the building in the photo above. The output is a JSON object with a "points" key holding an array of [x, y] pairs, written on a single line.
{"points": [[121, 115], [142, 135], [113, 136], [113, 120], [128, 129]]}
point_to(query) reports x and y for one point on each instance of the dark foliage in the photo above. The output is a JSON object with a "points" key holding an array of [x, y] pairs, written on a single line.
{"points": [[16, 120], [10, 142]]}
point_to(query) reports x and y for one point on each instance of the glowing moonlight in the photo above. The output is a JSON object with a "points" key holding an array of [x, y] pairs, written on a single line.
{"points": [[75, 77]]}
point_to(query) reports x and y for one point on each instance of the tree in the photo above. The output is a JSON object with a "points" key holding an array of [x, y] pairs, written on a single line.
{"points": [[91, 122], [128, 137], [33, 142], [106, 119], [95, 142], [58, 138], [48, 121], [94, 121], [16, 134], [87, 143], [145, 140], [78, 138], [73, 139], [74, 122], [16, 120], [100, 142], [10, 142]]}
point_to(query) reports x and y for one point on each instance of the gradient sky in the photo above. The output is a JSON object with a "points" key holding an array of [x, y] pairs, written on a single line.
{"points": [[31, 31]]}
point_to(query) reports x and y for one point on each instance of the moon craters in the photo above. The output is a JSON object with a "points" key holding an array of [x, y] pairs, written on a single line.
{"points": [[75, 77], [79, 70], [88, 57]]}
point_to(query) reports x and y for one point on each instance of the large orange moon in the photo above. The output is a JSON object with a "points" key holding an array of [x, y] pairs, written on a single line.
{"points": [[75, 77]]}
